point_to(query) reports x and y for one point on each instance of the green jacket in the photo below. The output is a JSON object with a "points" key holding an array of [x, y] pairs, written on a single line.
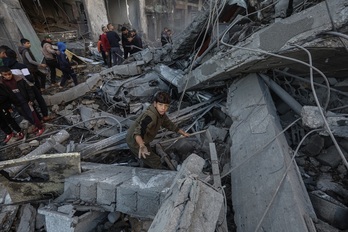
{"points": [[147, 126]]}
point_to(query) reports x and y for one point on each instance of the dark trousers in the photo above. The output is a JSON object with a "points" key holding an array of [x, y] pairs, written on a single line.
{"points": [[6, 120], [153, 160], [29, 113], [40, 101], [52, 64], [67, 74], [40, 79], [104, 57], [116, 54], [126, 52]]}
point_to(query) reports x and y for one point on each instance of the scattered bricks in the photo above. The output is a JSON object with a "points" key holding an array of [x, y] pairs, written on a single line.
{"points": [[87, 182], [331, 157]]}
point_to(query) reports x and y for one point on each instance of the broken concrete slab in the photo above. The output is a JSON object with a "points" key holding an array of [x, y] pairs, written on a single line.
{"points": [[70, 222], [74, 92], [330, 210], [134, 191], [133, 69], [173, 76], [59, 167], [259, 160], [191, 204], [60, 137], [294, 29], [8, 213], [27, 216]]}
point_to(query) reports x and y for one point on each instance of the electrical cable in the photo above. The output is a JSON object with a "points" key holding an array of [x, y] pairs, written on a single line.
{"points": [[312, 80], [322, 113], [196, 55]]}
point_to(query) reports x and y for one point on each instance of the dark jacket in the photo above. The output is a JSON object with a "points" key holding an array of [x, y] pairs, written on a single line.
{"points": [[137, 44], [13, 64], [62, 58], [113, 38], [147, 126], [23, 87], [7, 97]]}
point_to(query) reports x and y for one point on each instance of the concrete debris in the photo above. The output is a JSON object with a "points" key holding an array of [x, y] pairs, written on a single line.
{"points": [[330, 210], [27, 215], [259, 85], [255, 166], [190, 205], [71, 220], [59, 166]]}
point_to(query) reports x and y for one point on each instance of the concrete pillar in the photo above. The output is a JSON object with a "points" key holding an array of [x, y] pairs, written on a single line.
{"points": [[97, 16]]}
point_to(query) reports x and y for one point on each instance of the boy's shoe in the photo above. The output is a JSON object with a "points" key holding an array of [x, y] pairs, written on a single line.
{"points": [[20, 135], [40, 131], [8, 137]]}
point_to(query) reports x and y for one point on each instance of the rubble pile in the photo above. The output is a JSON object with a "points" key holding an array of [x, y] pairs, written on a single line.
{"points": [[261, 88]]}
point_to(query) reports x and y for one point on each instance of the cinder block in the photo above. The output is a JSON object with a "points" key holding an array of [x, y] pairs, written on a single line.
{"points": [[107, 188], [142, 195]]}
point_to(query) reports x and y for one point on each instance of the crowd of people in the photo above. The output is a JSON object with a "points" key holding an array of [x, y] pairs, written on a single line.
{"points": [[22, 84], [109, 44]]}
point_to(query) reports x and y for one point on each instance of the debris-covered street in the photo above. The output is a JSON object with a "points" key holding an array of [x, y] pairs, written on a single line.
{"points": [[259, 100]]}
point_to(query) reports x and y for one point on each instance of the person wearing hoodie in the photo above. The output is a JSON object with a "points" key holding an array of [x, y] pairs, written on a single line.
{"points": [[50, 57], [32, 64], [24, 95], [21, 69], [65, 66], [7, 123]]}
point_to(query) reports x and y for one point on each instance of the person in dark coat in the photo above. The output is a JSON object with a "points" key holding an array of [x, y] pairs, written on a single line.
{"points": [[125, 43], [65, 66], [7, 123], [24, 95], [114, 41], [136, 44], [21, 69]]}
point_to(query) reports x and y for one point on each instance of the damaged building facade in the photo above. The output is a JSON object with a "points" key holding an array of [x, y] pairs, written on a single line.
{"points": [[70, 20], [260, 86]]}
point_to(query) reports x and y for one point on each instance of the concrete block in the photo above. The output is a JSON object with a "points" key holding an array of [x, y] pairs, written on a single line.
{"points": [[107, 188], [67, 222], [87, 182], [144, 189]]}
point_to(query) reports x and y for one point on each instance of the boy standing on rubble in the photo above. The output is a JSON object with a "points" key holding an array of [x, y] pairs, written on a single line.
{"points": [[146, 127], [24, 95]]}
